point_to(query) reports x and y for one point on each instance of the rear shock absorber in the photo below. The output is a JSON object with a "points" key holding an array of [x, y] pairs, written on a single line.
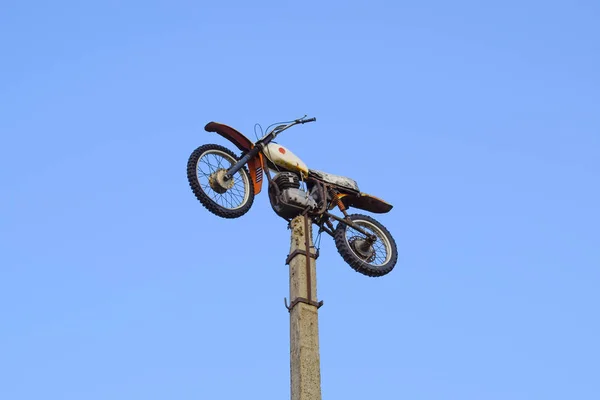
{"points": [[336, 197]]}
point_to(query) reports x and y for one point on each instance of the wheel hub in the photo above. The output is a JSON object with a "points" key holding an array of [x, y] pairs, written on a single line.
{"points": [[363, 249], [218, 183]]}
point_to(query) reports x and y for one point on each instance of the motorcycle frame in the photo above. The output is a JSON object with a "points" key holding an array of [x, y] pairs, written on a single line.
{"points": [[254, 154]]}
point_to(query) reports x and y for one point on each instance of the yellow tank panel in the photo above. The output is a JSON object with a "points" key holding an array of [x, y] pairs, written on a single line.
{"points": [[284, 158]]}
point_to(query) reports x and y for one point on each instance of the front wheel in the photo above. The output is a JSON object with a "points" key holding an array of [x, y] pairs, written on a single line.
{"points": [[206, 171], [374, 259]]}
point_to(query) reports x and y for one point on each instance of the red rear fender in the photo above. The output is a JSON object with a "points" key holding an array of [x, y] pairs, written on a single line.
{"points": [[367, 202]]}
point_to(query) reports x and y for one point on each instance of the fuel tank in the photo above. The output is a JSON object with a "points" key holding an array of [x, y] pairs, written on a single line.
{"points": [[285, 159]]}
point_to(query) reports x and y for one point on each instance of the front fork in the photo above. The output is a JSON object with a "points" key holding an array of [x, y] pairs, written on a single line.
{"points": [[243, 161]]}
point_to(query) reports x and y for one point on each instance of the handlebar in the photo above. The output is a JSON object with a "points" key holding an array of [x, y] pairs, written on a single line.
{"points": [[278, 129]]}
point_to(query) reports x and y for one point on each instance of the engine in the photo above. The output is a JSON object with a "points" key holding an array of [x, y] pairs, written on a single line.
{"points": [[287, 198]]}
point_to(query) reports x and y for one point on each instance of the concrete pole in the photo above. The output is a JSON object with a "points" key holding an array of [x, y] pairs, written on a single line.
{"points": [[305, 362]]}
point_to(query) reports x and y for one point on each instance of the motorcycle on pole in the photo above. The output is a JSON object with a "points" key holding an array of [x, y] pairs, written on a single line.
{"points": [[226, 185]]}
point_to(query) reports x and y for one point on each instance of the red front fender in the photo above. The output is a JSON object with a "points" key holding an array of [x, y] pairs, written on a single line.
{"points": [[235, 137]]}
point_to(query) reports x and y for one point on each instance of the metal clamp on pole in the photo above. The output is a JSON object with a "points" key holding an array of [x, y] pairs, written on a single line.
{"points": [[301, 252], [302, 300]]}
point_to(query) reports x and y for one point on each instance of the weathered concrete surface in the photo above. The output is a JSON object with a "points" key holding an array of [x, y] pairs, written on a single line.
{"points": [[305, 361]]}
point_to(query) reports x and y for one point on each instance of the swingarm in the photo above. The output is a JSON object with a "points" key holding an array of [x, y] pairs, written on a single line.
{"points": [[352, 225]]}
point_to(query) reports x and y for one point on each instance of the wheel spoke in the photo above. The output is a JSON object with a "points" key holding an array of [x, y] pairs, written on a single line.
{"points": [[228, 201], [237, 191], [204, 173], [208, 164], [233, 201]]}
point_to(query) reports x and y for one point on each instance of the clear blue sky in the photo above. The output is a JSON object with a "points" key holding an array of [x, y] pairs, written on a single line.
{"points": [[479, 121]]}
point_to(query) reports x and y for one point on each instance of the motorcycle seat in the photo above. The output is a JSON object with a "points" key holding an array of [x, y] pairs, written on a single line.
{"points": [[337, 180]]}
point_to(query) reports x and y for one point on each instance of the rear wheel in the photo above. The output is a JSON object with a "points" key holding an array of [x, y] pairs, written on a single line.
{"points": [[206, 171], [375, 258]]}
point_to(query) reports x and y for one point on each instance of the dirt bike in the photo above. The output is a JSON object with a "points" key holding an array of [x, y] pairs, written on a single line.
{"points": [[226, 185]]}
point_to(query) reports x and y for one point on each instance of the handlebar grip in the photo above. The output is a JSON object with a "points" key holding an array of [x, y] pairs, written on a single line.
{"points": [[308, 120]]}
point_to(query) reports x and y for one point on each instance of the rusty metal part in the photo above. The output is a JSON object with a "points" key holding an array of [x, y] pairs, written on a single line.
{"points": [[307, 248], [320, 221], [300, 252], [330, 232], [353, 225], [369, 203], [336, 197], [307, 256], [299, 300], [218, 183], [330, 224], [322, 187]]}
